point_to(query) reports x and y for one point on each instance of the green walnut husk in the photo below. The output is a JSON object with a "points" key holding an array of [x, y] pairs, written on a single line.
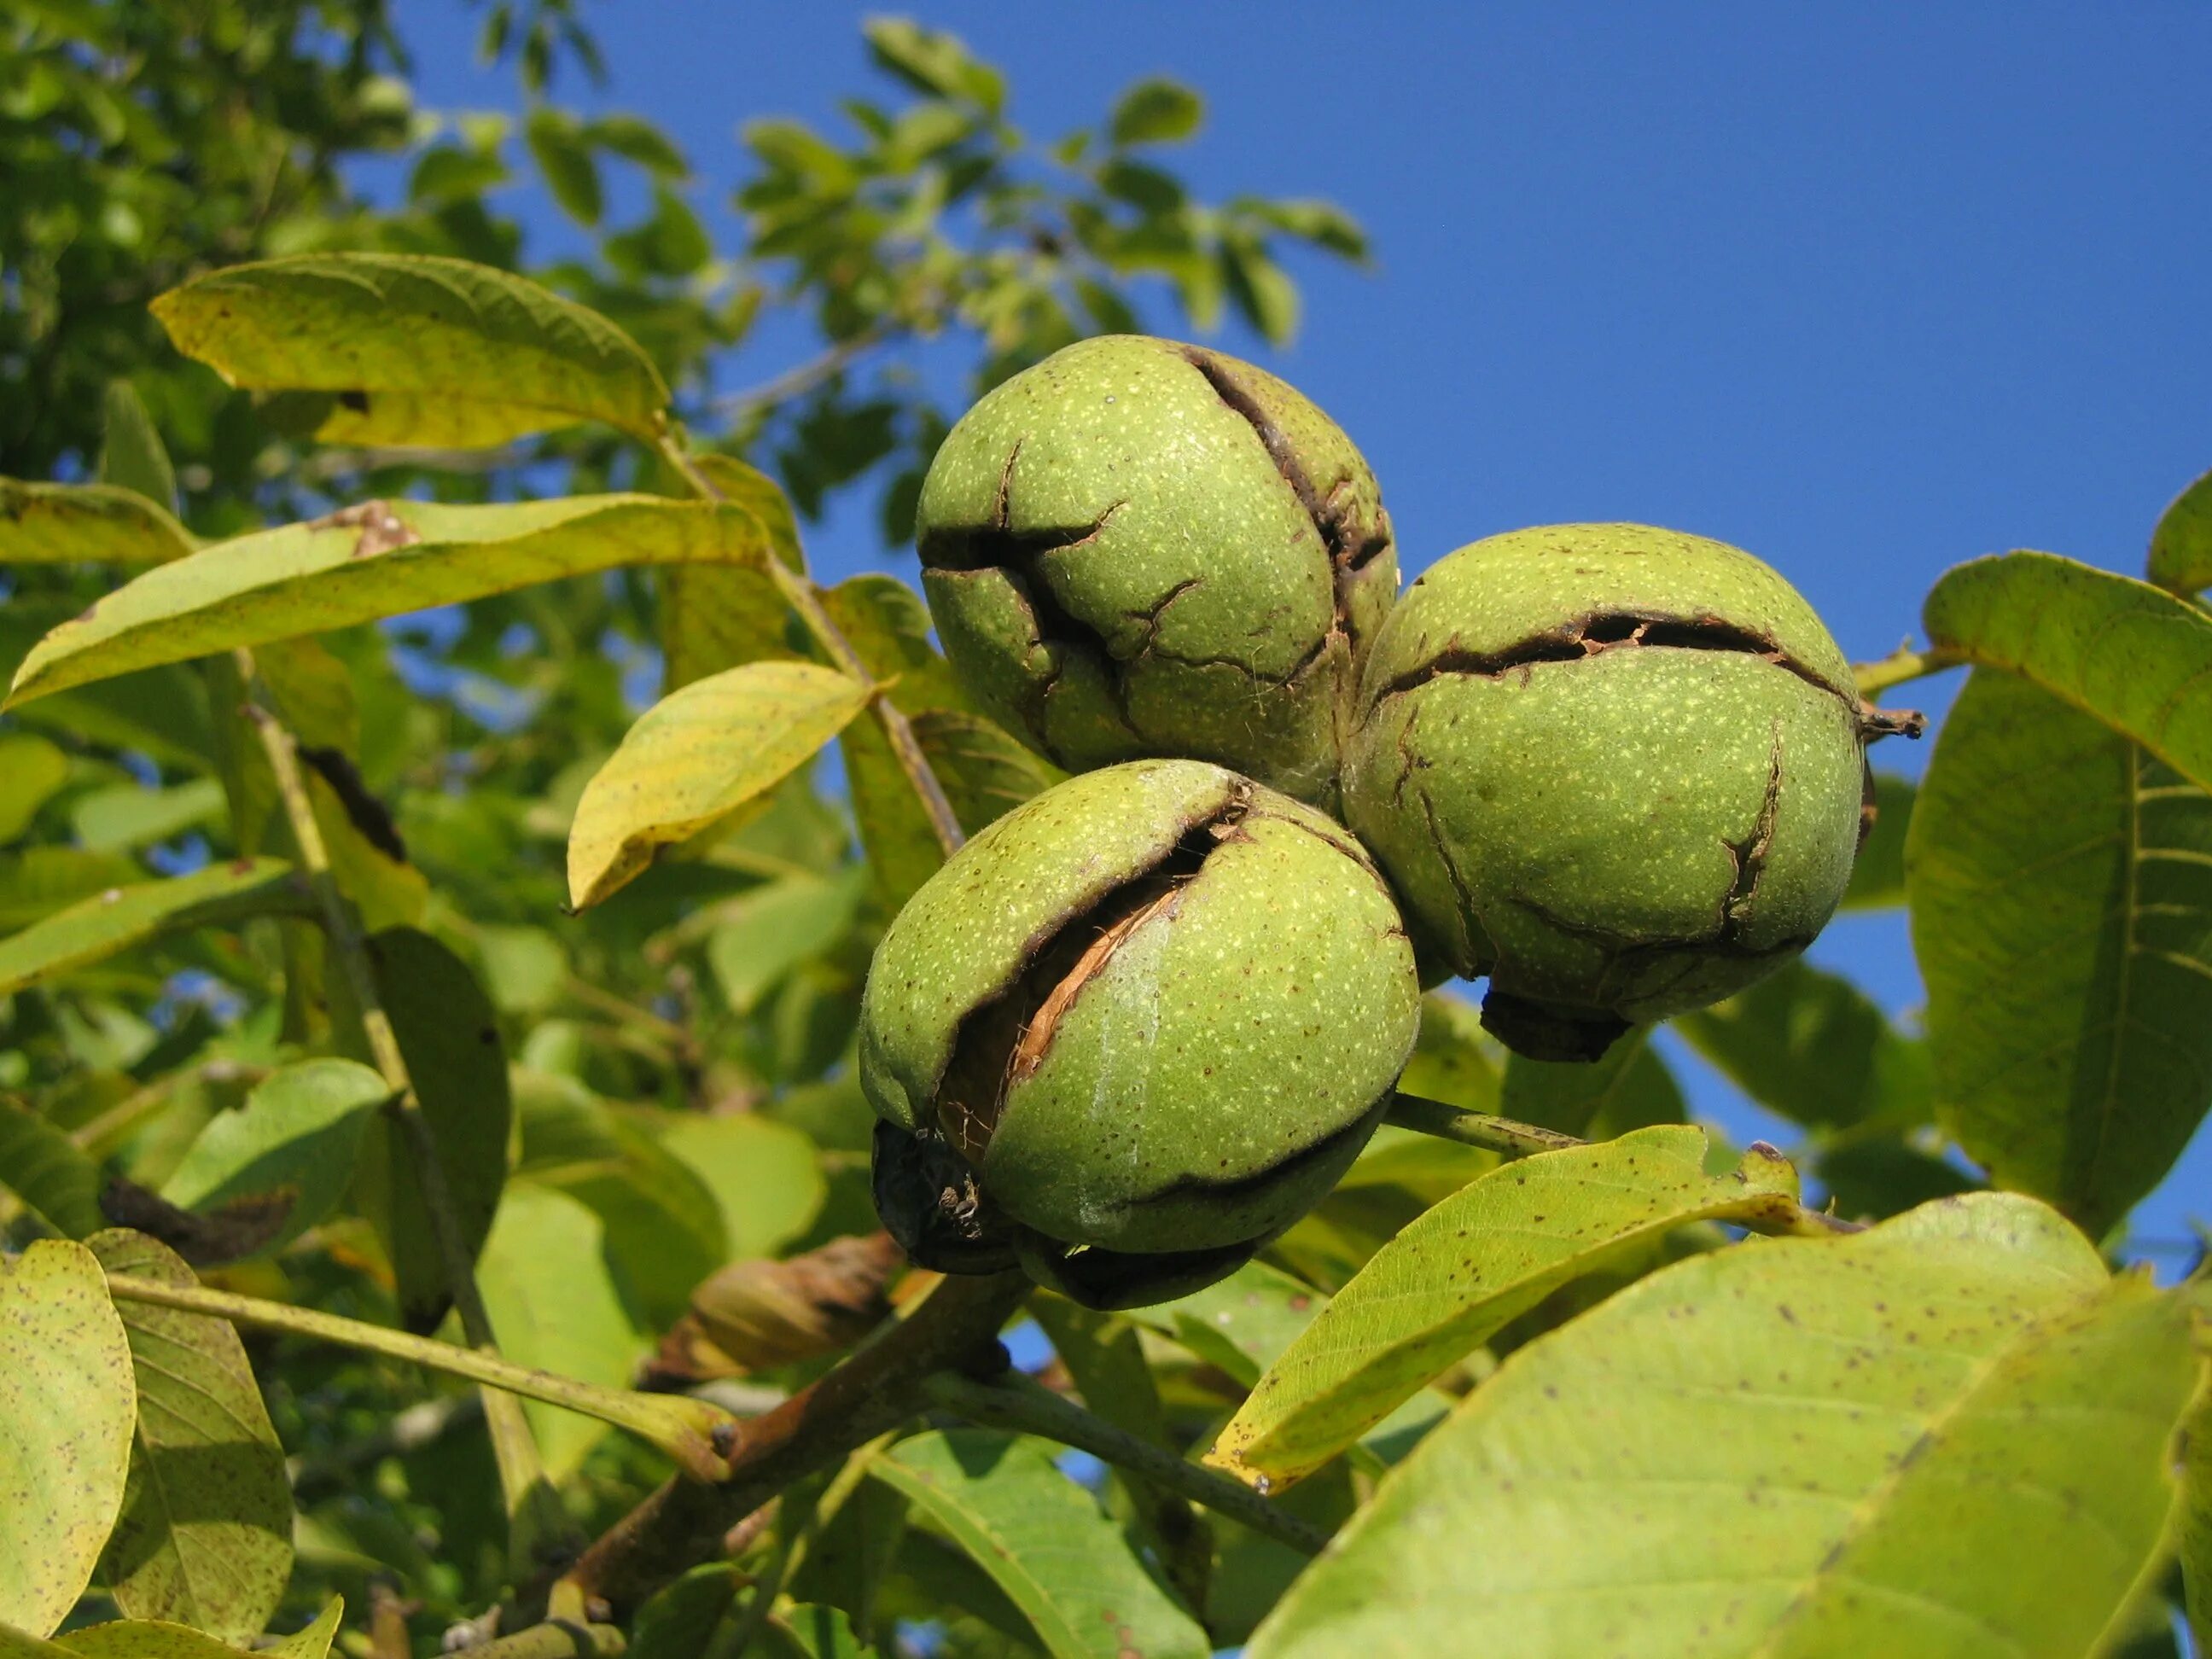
{"points": [[1142, 547], [1618, 769], [1132, 1030]]}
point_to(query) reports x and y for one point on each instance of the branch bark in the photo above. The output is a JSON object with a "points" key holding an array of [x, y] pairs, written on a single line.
{"points": [[877, 1389]]}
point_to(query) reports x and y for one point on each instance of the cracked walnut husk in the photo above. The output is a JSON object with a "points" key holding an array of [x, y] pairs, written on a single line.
{"points": [[1142, 547], [1618, 769], [1132, 1030]]}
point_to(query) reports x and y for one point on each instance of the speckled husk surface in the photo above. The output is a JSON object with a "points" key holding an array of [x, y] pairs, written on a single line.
{"points": [[1140, 547], [1617, 769], [1156, 1009]]}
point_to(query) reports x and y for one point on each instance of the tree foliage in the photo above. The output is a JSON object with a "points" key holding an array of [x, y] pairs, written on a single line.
{"points": [[426, 1034]]}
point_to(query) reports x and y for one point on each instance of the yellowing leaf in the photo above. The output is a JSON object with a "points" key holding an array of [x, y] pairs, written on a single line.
{"points": [[1455, 1277], [68, 523], [415, 349], [66, 1407], [1949, 1435], [698, 755], [381, 559]]}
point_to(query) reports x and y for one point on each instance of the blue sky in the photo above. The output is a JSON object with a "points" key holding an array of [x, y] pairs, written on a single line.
{"points": [[1868, 290]]}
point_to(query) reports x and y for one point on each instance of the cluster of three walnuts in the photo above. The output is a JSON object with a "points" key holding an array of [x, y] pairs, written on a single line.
{"points": [[1144, 1022]]}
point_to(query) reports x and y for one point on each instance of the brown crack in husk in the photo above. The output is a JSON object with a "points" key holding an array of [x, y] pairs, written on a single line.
{"points": [[1583, 637], [1003, 1040]]}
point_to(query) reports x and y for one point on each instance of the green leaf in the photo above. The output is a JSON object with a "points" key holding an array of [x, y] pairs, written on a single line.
{"points": [[41, 1166], [381, 560], [150, 1638], [933, 61], [72, 524], [131, 454], [2061, 888], [2134, 656], [564, 156], [889, 627], [1454, 1278], [1878, 876], [295, 1139], [805, 1631], [663, 1227], [525, 968], [415, 349], [2194, 1518], [2181, 544], [1240, 1324], [66, 1407], [1630, 1088], [1813, 1047], [764, 1176], [97, 927], [1043, 1541], [1455, 1060], [636, 139], [545, 1284], [770, 931], [31, 771], [716, 617], [448, 1035], [696, 755], [39, 881], [1156, 111], [130, 815], [1946, 1435], [985, 771], [205, 1535], [679, 1620], [1266, 296]]}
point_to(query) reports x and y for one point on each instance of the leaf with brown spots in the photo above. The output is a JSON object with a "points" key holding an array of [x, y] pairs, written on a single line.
{"points": [[1952, 1433], [1455, 1277], [66, 1407]]}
